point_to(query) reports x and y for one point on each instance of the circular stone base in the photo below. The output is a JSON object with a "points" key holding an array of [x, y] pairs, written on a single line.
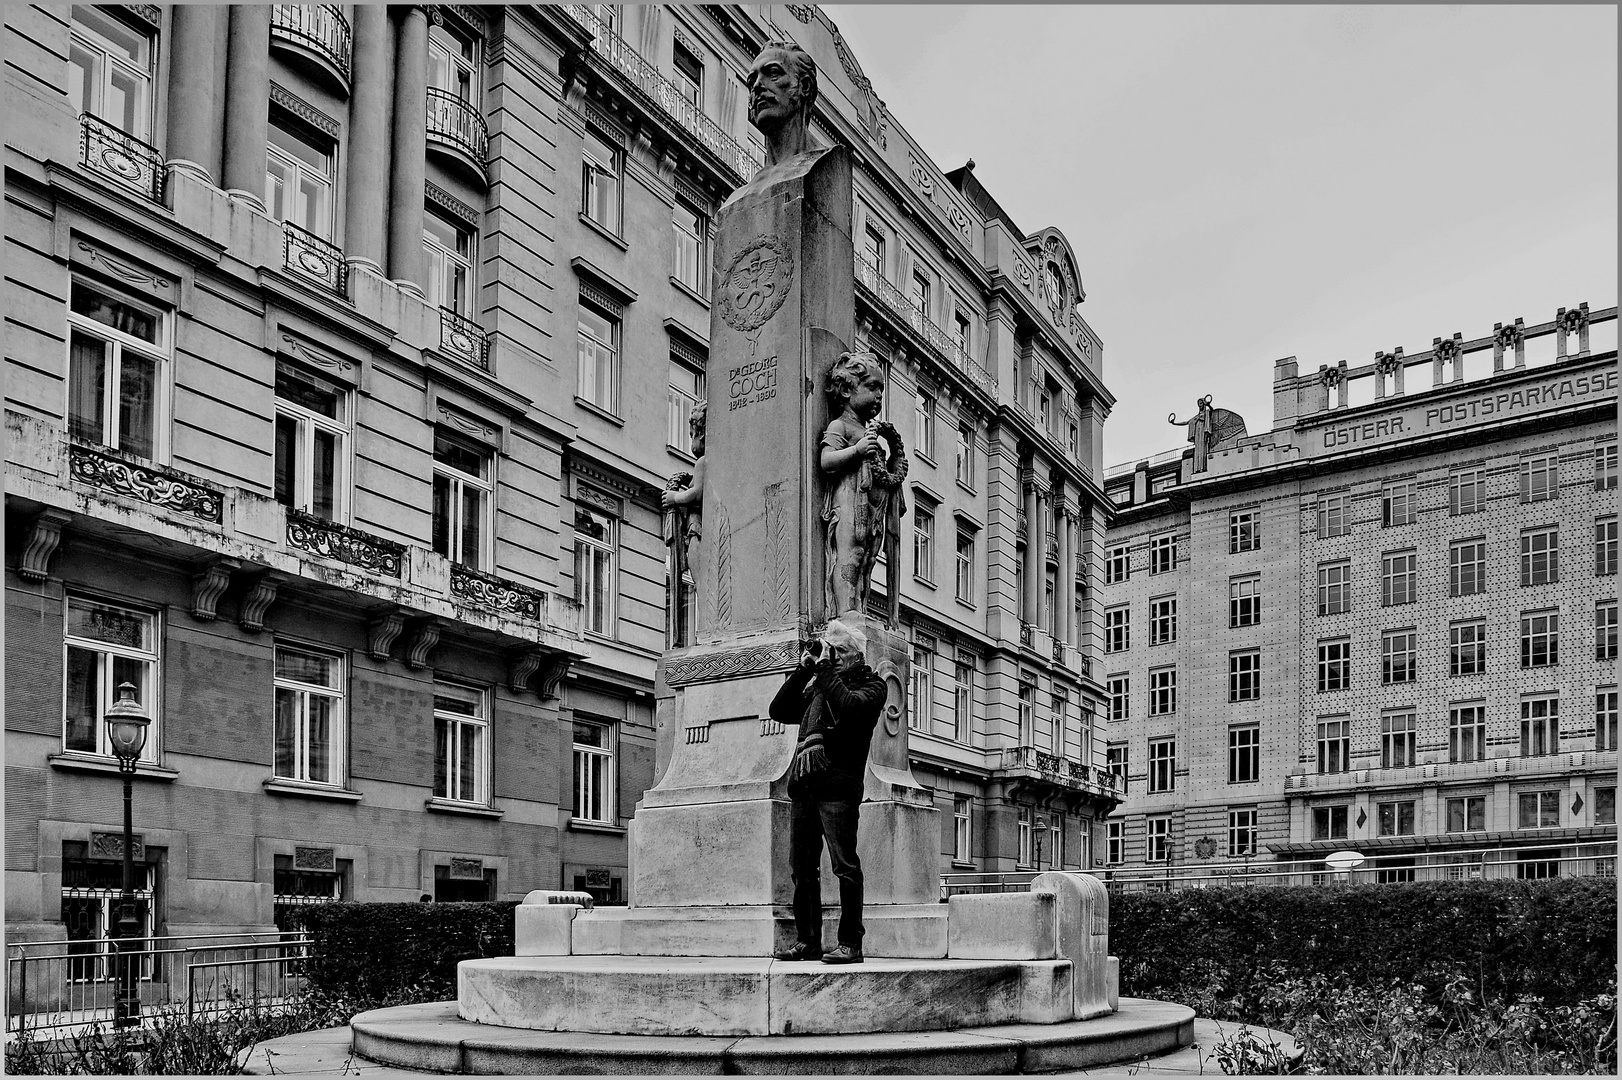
{"points": [[432, 1038]]}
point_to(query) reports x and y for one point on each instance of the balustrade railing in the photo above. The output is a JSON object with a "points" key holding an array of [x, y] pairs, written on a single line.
{"points": [[1061, 769], [310, 256], [321, 28], [119, 155], [497, 595], [334, 541], [160, 486], [463, 338], [458, 123], [942, 344]]}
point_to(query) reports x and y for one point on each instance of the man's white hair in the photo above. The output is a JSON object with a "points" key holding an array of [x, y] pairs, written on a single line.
{"points": [[837, 629]]}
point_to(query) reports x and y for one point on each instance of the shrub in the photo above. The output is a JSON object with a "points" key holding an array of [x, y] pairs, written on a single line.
{"points": [[365, 953]]}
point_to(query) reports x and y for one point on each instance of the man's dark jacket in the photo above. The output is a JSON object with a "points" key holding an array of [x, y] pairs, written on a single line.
{"points": [[836, 710]]}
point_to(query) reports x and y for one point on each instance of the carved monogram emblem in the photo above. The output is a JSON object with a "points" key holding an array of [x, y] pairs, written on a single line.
{"points": [[756, 284]]}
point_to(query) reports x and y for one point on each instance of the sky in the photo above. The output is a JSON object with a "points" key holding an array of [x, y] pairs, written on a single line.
{"points": [[1246, 183]]}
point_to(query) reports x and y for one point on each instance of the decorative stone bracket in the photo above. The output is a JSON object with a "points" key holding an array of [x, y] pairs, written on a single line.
{"points": [[423, 640], [254, 605], [208, 584], [522, 667], [552, 672], [43, 538], [382, 631]]}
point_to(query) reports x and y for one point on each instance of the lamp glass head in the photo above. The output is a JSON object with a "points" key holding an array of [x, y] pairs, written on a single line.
{"points": [[126, 724]]}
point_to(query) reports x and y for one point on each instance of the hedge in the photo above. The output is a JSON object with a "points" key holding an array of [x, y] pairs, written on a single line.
{"points": [[1552, 939], [375, 951]]}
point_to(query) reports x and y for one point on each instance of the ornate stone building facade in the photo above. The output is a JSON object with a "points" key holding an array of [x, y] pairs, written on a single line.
{"points": [[350, 349], [1388, 625]]}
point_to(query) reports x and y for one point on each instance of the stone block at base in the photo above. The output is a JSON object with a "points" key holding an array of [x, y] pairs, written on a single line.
{"points": [[1002, 926], [543, 929], [1112, 982], [900, 931]]}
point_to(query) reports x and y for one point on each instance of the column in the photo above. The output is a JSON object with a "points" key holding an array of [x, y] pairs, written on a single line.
{"points": [[410, 150], [247, 102], [368, 138], [1035, 541], [1067, 576], [194, 90]]}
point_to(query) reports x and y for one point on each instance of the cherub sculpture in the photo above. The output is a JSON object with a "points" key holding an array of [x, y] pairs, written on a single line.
{"points": [[683, 502], [864, 465]]}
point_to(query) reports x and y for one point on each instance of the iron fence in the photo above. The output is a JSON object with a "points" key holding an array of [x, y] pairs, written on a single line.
{"points": [[454, 121], [320, 28]]}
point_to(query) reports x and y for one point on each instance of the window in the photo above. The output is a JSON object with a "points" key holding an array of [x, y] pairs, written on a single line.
{"points": [[91, 897], [965, 455], [686, 391], [1398, 574], [689, 74], [963, 332], [1604, 546], [1605, 718], [1245, 675], [309, 716], [311, 428], [1245, 601], [1540, 556], [296, 889], [1332, 517], [1467, 491], [115, 362], [1538, 810], [1537, 865], [462, 500], [1163, 620], [963, 700], [1605, 807], [1540, 726], [1467, 567], [594, 772], [921, 686], [107, 646], [1162, 554], [1334, 666], [873, 250], [924, 424], [923, 545], [1396, 818], [1389, 871], [1241, 832], [1467, 814], [600, 182], [1060, 720], [110, 70], [1467, 648], [918, 297], [1075, 440], [1117, 630], [1244, 754], [1334, 588], [692, 231], [1397, 504], [299, 179], [595, 548], [964, 582], [1244, 531], [1162, 691], [1334, 745], [1540, 478], [1467, 732], [449, 249], [1605, 630], [461, 744], [1605, 467], [1159, 839], [1114, 843], [1329, 822], [453, 62], [962, 821], [597, 337], [1116, 760], [1399, 656], [1120, 699], [1540, 639], [1162, 765], [1027, 714], [1398, 740], [1118, 566]]}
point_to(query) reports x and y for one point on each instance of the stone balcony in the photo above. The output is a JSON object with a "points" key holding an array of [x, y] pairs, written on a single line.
{"points": [[1030, 766], [1449, 773]]}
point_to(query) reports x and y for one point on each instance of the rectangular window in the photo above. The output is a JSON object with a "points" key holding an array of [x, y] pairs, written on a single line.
{"points": [[1540, 478], [1605, 630], [595, 553], [692, 235], [1059, 721], [1604, 546], [110, 70], [1334, 666], [918, 298], [1605, 810], [1118, 565], [923, 545], [963, 700], [1162, 691], [453, 62], [689, 75], [1245, 675], [1540, 726], [116, 353], [1159, 839], [964, 581], [963, 331], [1398, 740], [299, 179], [1605, 718], [1540, 556], [1245, 601], [1114, 843], [1116, 759], [1162, 554], [1117, 629], [1605, 467], [1334, 588], [873, 250], [1163, 620], [1467, 732], [600, 182], [924, 425], [449, 248], [462, 500], [965, 455], [1467, 814], [1162, 765], [1241, 832], [107, 645], [309, 716], [1244, 530], [90, 899], [1244, 754], [597, 343], [594, 772], [921, 686], [1329, 822], [962, 820], [1334, 745], [461, 744], [1399, 656], [1467, 648], [1467, 567], [1540, 639], [1026, 856], [1332, 517], [1467, 491], [686, 391], [1397, 504], [1027, 714], [1398, 578], [312, 426], [1537, 810], [1396, 818], [1120, 697]]}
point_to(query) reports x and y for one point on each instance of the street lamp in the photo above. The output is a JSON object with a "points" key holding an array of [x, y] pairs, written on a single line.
{"points": [[126, 729]]}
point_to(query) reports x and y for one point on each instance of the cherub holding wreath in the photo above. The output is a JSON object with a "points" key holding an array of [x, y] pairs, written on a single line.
{"points": [[864, 464]]}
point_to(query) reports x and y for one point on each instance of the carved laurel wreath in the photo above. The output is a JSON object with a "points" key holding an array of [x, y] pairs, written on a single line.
{"points": [[890, 472], [779, 265]]}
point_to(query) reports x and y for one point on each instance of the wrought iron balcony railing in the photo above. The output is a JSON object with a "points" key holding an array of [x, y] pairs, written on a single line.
{"points": [[320, 28], [334, 541], [160, 486], [497, 595], [1059, 769], [458, 124], [121, 156], [939, 342], [661, 92], [464, 339], [310, 256]]}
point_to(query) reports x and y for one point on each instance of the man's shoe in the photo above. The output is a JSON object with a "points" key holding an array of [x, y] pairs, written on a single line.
{"points": [[844, 954], [800, 950]]}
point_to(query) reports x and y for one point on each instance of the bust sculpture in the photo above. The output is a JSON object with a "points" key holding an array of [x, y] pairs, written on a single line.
{"points": [[863, 465], [782, 86]]}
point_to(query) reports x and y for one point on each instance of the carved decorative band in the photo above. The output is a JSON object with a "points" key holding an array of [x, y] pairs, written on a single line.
{"points": [[334, 541], [494, 594], [734, 664], [161, 487]]}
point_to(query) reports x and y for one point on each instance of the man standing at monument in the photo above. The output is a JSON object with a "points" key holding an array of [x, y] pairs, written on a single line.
{"points": [[835, 699]]}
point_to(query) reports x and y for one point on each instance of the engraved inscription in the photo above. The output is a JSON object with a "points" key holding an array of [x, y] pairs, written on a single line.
{"points": [[752, 382], [756, 283]]}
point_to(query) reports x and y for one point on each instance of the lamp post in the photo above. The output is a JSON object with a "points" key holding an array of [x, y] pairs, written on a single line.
{"points": [[126, 729]]}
